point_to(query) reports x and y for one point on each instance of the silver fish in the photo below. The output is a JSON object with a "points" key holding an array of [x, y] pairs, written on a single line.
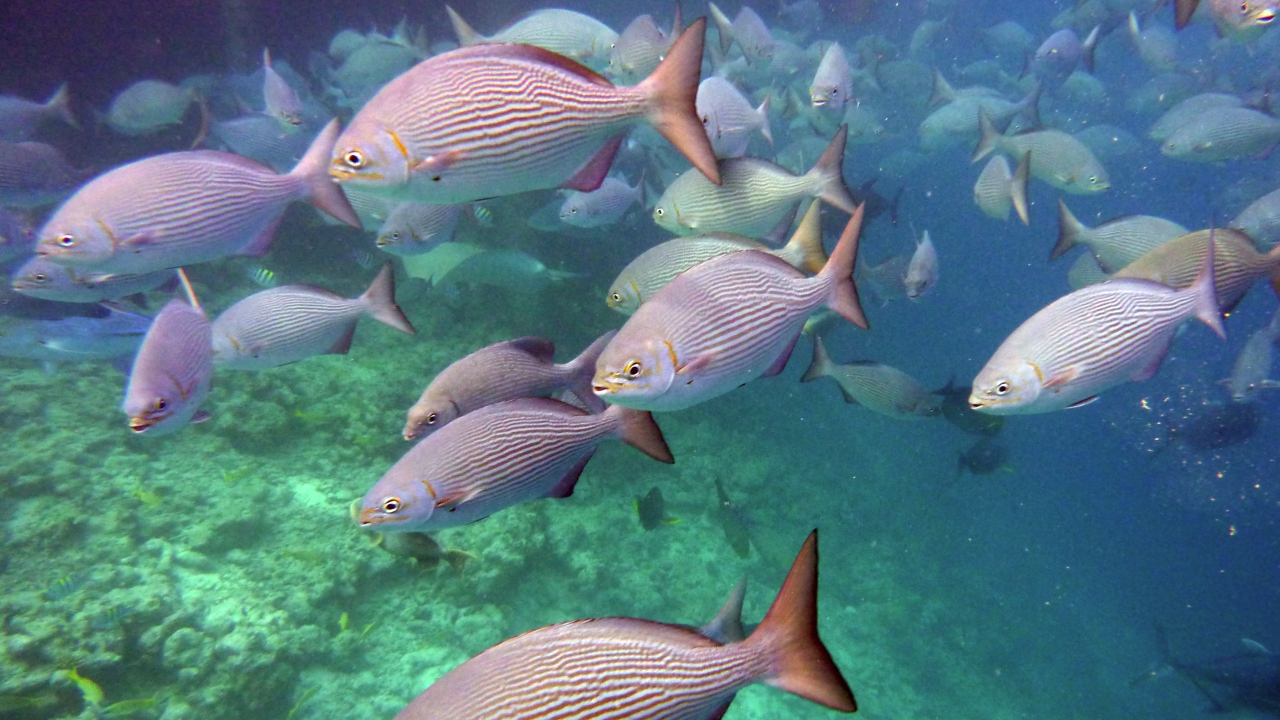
{"points": [[1253, 364], [552, 123], [285, 324], [997, 190], [1261, 220], [729, 119], [1116, 242], [1056, 157], [1061, 53], [1223, 134], [33, 174], [1155, 44], [40, 278], [753, 196], [603, 206], [1237, 265], [496, 457], [182, 208], [509, 269], [263, 138], [281, 100], [147, 107], [887, 280], [639, 49], [629, 669], [958, 120], [922, 271], [508, 370], [75, 338], [1089, 341], [833, 82], [747, 30], [1181, 113], [20, 118], [723, 323], [877, 387], [173, 370], [416, 228], [564, 32]]}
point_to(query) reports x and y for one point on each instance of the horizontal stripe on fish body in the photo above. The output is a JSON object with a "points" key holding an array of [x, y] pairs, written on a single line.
{"points": [[1237, 265]]}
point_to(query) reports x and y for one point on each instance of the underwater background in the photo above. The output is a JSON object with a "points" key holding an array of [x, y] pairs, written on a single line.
{"points": [[216, 573]]}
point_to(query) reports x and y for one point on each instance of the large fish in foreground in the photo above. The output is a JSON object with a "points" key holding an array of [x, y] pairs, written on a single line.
{"points": [[173, 370], [1091, 340], [724, 323], [493, 120], [630, 669], [182, 208], [496, 457]]}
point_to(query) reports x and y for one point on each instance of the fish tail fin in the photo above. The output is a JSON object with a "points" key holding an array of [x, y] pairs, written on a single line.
{"points": [[789, 634], [637, 429], [1069, 231], [1183, 10], [839, 272], [1088, 47], [1018, 187], [990, 138], [827, 175], [467, 35], [313, 170], [1030, 105], [59, 103], [724, 28], [583, 369], [380, 301], [804, 249], [671, 91], [820, 366], [765, 130], [1205, 291]]}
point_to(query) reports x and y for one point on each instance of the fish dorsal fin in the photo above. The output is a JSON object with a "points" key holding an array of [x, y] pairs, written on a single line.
{"points": [[518, 51], [535, 346], [1255, 647], [190, 291]]}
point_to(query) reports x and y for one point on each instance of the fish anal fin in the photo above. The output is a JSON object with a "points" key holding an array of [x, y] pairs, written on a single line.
{"points": [[200, 417], [847, 397], [258, 246], [719, 712], [342, 345], [780, 363], [592, 174], [1082, 403], [565, 485], [1152, 367]]}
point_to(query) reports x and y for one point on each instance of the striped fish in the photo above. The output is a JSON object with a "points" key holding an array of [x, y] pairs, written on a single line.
{"points": [[1261, 221], [603, 206], [35, 174], [746, 29], [563, 32], [875, 386], [729, 119], [415, 228], [496, 457], [723, 323], [289, 323], [1237, 265], [754, 194], [1223, 134], [1178, 115], [173, 370], [1089, 341], [1086, 271], [281, 101], [182, 208], [639, 49], [1253, 364], [1056, 157], [508, 370], [630, 669], [494, 120], [998, 190], [1118, 242], [40, 278], [659, 265]]}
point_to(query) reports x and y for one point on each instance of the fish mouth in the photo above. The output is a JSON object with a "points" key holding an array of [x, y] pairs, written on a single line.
{"points": [[140, 425], [819, 101]]}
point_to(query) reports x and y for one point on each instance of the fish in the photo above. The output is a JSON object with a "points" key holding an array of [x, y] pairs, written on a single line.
{"points": [[754, 194], [1239, 22], [1056, 157], [20, 118], [1184, 111], [654, 268], [1223, 134], [1219, 426], [415, 228], [723, 323], [644, 669], [833, 82], [173, 370], [285, 324], [499, 456], [117, 334], [282, 102], [34, 174], [984, 456], [564, 32], [1091, 340], [180, 208], [92, 693], [1260, 220], [733, 521], [508, 370], [922, 271], [421, 138], [603, 206], [17, 238], [747, 30], [1236, 264], [956, 410], [1086, 271], [66, 586], [997, 189], [1155, 44], [958, 120], [651, 510], [265, 139], [40, 278], [875, 386], [1248, 681], [147, 107], [505, 268], [1253, 364], [1061, 53], [877, 204], [1009, 38], [1116, 242], [729, 119], [424, 549], [640, 47], [887, 280]]}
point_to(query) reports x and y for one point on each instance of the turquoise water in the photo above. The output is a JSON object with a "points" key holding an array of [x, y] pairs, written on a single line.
{"points": [[216, 573]]}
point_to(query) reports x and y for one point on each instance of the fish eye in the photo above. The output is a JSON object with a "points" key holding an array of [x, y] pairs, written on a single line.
{"points": [[431, 419], [616, 297], [390, 505], [633, 369], [705, 119], [395, 235], [1002, 388], [1244, 8], [161, 404], [39, 277], [66, 240], [1093, 179], [660, 212], [835, 91], [573, 211], [354, 159]]}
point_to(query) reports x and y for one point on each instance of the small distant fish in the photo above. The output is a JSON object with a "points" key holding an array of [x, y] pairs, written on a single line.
{"points": [[887, 280], [746, 29], [173, 370], [922, 271], [1218, 426], [877, 387], [364, 259], [1253, 364], [508, 370], [651, 509], [833, 82], [415, 228], [147, 107], [956, 410], [289, 323], [729, 119], [1061, 53], [1056, 157], [987, 455], [997, 190], [564, 32], [496, 457], [281, 100], [1117, 242], [111, 618], [34, 174], [603, 206], [1183, 112], [1155, 44], [1222, 134], [66, 586], [733, 521], [482, 214], [506, 268], [423, 548], [20, 118], [639, 49], [260, 276], [75, 338]]}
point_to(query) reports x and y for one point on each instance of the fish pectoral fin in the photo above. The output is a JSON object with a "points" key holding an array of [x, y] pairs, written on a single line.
{"points": [[1062, 378], [437, 162], [1082, 403], [200, 417], [450, 502], [696, 364], [145, 237]]}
